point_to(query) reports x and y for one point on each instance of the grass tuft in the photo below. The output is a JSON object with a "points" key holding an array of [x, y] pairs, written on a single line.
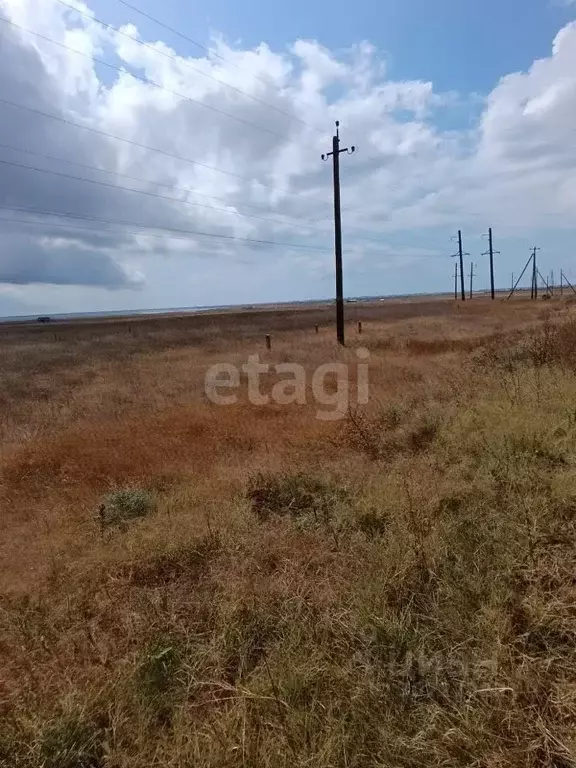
{"points": [[297, 496], [122, 506]]}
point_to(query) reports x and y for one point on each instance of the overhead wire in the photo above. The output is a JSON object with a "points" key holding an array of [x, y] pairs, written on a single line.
{"points": [[183, 61], [143, 79], [188, 39], [175, 187], [278, 222], [167, 231], [148, 148], [152, 194]]}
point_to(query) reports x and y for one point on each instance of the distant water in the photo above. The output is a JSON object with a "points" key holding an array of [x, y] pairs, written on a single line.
{"points": [[63, 316], [109, 313]]}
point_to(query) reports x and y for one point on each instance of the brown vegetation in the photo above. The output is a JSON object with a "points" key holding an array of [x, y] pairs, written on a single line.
{"points": [[185, 584]]}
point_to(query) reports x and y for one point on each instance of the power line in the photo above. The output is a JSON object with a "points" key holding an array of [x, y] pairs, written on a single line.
{"points": [[168, 230], [175, 187], [142, 79], [153, 194], [183, 61], [193, 42], [99, 229], [148, 148]]}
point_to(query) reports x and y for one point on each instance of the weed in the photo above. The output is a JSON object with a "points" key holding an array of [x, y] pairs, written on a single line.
{"points": [[372, 523], [71, 742], [187, 564], [157, 673], [297, 496], [119, 507], [390, 432]]}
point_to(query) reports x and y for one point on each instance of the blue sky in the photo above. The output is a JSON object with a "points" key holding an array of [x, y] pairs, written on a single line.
{"points": [[460, 45], [464, 114]]}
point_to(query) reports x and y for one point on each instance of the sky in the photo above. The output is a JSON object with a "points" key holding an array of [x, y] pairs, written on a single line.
{"points": [[168, 154]]}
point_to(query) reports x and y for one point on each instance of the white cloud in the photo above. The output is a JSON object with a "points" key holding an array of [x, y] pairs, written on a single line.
{"points": [[514, 169]]}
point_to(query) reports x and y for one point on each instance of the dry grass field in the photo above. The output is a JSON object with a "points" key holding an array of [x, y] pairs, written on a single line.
{"points": [[190, 585]]}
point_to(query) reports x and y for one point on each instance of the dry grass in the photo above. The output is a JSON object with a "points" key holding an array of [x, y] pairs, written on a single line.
{"points": [[190, 585]]}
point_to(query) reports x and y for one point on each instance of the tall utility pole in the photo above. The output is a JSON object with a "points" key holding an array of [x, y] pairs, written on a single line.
{"points": [[338, 230], [472, 265], [491, 252], [461, 255]]}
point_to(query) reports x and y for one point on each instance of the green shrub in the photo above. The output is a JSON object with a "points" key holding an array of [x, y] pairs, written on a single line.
{"points": [[124, 505], [297, 496], [159, 668], [372, 523], [72, 742]]}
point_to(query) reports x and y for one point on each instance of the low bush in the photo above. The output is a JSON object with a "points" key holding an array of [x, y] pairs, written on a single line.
{"points": [[119, 507], [299, 495]]}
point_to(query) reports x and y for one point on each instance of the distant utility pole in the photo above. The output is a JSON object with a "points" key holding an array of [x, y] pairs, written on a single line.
{"points": [[531, 258], [472, 265], [534, 294], [461, 255], [561, 283], [568, 283], [455, 281], [512, 284], [491, 252], [338, 229]]}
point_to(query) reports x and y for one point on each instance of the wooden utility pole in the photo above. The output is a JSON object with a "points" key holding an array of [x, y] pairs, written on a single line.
{"points": [[569, 284], [534, 294], [455, 281], [515, 284], [561, 283], [491, 253], [545, 281], [461, 255], [335, 154]]}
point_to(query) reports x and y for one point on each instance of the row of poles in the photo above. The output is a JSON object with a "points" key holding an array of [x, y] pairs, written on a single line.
{"points": [[549, 284], [490, 252], [335, 155]]}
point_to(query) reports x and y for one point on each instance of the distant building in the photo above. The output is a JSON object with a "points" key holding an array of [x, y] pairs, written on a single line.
{"points": [[43, 319]]}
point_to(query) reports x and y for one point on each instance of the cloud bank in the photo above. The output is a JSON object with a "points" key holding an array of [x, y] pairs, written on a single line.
{"points": [[514, 167]]}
